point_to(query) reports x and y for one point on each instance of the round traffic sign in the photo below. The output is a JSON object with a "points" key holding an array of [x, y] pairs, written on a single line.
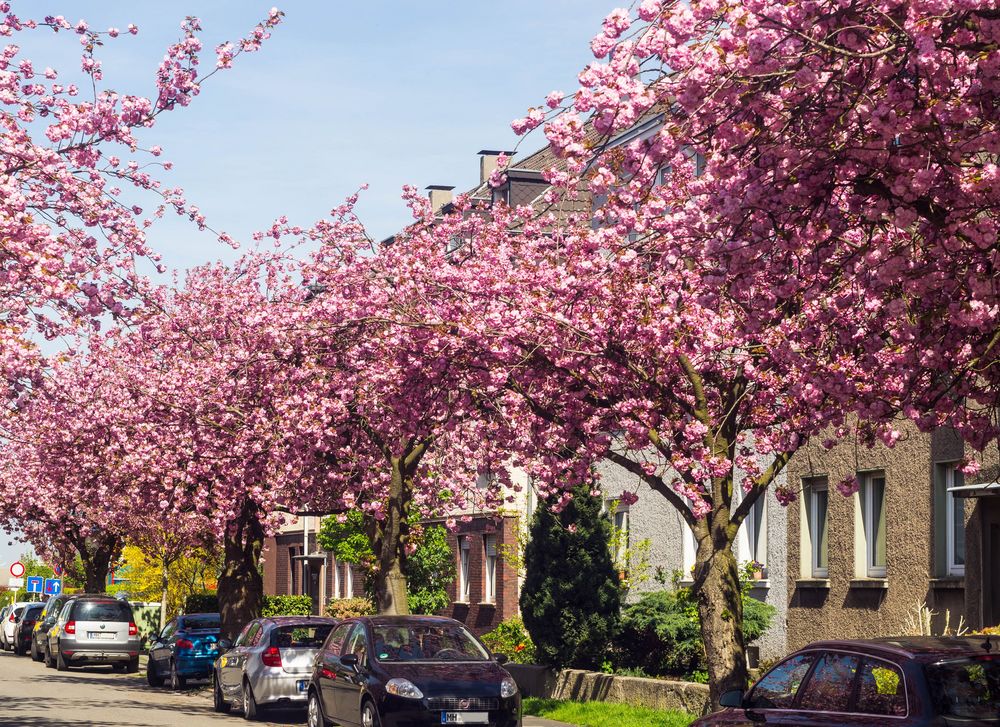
{"points": [[17, 569]]}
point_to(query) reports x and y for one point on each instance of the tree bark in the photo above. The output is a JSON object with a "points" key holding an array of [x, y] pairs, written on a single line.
{"points": [[390, 578], [165, 588], [241, 586], [97, 557], [720, 607]]}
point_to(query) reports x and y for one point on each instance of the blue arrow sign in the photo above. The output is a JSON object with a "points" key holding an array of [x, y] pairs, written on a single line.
{"points": [[34, 584], [53, 586]]}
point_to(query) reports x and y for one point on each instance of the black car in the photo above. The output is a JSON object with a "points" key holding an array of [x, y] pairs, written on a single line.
{"points": [[24, 626], [390, 671]]}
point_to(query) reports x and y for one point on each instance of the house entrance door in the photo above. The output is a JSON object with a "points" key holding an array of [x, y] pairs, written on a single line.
{"points": [[991, 573]]}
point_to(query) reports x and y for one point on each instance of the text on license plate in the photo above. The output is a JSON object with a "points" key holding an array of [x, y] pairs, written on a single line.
{"points": [[465, 717], [302, 684], [99, 635]]}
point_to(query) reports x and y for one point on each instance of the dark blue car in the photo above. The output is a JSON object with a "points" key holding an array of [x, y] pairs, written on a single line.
{"points": [[185, 649]]}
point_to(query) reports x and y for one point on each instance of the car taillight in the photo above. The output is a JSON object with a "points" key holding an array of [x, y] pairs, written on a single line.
{"points": [[27, 623], [70, 627], [184, 645], [271, 656], [133, 630], [12, 618]]}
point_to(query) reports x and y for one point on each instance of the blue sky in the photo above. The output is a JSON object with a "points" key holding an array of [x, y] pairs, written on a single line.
{"points": [[383, 93]]}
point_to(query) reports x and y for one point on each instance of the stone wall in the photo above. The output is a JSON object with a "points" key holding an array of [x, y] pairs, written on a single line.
{"points": [[586, 686]]}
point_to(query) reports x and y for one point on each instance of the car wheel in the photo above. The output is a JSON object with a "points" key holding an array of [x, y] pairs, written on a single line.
{"points": [[369, 715], [220, 703], [133, 665], [152, 678], [251, 710], [61, 661], [49, 661], [314, 714], [177, 682], [19, 648], [35, 653]]}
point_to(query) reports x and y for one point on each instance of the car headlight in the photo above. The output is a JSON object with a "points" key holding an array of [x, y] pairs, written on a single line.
{"points": [[403, 688], [508, 688]]}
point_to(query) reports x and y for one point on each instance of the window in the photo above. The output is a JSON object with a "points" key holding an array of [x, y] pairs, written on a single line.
{"points": [[777, 689], [817, 501], [169, 630], [348, 581], [336, 577], [490, 549], [335, 641], [872, 497], [751, 542], [620, 542], [954, 523], [881, 689], [244, 634], [829, 687], [357, 644], [463, 570]]}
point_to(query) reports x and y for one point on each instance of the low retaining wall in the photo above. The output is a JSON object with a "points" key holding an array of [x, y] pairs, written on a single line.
{"points": [[586, 686]]}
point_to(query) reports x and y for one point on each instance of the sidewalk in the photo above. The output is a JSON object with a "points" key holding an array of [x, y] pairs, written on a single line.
{"points": [[541, 722]]}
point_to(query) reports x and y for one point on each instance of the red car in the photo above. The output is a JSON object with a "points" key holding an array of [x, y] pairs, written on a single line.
{"points": [[894, 681]]}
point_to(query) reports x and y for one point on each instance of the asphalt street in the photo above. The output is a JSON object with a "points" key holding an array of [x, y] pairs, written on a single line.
{"points": [[33, 696]]}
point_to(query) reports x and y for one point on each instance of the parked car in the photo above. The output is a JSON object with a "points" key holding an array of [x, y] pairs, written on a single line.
{"points": [[900, 681], [185, 649], [388, 671], [9, 619], [269, 664], [94, 630], [46, 620], [24, 626]]}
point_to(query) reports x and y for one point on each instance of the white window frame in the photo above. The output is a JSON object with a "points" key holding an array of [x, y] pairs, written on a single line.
{"points": [[868, 512], [348, 581], [815, 541], [754, 529], [336, 578], [954, 569], [464, 588], [490, 564]]}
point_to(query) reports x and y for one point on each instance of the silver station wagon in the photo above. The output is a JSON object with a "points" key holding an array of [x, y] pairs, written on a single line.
{"points": [[269, 664], [94, 630]]}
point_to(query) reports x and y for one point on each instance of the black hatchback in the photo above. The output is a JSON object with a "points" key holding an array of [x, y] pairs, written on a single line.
{"points": [[390, 671]]}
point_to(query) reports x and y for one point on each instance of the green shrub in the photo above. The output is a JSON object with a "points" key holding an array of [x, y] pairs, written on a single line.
{"points": [[661, 633], [512, 640], [349, 608], [201, 603], [571, 597], [286, 606]]}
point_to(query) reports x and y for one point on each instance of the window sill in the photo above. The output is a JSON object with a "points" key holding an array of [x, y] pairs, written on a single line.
{"points": [[876, 583], [948, 583], [487, 604], [820, 583], [461, 603], [760, 583]]}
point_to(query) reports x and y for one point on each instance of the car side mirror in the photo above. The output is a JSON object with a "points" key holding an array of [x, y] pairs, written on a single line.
{"points": [[225, 644], [349, 660], [732, 698], [500, 658]]}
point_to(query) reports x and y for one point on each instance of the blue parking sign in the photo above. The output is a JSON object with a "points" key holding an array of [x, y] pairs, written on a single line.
{"points": [[34, 584], [53, 586]]}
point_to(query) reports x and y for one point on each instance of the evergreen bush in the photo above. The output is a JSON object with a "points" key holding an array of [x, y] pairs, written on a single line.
{"points": [[571, 597], [287, 606]]}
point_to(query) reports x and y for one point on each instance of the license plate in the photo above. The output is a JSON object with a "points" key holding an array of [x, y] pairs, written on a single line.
{"points": [[465, 718], [302, 684], [99, 635]]}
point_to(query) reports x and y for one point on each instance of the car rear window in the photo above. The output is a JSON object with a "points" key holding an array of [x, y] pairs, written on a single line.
{"points": [[32, 611], [196, 623], [102, 611], [304, 636], [968, 688]]}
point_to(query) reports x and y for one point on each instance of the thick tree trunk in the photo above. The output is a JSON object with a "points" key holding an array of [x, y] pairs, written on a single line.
{"points": [[164, 591], [720, 607], [390, 578], [241, 586], [97, 557]]}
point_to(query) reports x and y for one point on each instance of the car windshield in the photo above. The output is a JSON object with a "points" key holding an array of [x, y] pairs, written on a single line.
{"points": [[102, 611], [426, 642], [197, 623], [301, 636], [968, 688]]}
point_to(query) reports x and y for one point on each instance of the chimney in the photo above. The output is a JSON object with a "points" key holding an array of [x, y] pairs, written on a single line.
{"points": [[439, 195], [488, 162]]}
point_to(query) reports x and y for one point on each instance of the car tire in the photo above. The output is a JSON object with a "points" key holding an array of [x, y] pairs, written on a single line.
{"points": [[314, 712], [19, 648], [61, 661], [251, 710], [133, 665], [35, 653], [50, 663], [177, 682], [219, 702], [152, 678], [369, 715]]}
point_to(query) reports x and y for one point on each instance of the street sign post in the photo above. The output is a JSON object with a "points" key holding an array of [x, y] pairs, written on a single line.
{"points": [[17, 569], [35, 584], [53, 586]]}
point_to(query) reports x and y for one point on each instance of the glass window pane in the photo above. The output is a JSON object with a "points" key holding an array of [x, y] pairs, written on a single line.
{"points": [[829, 687], [880, 690], [778, 687], [957, 522], [966, 688], [878, 523], [821, 501]]}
